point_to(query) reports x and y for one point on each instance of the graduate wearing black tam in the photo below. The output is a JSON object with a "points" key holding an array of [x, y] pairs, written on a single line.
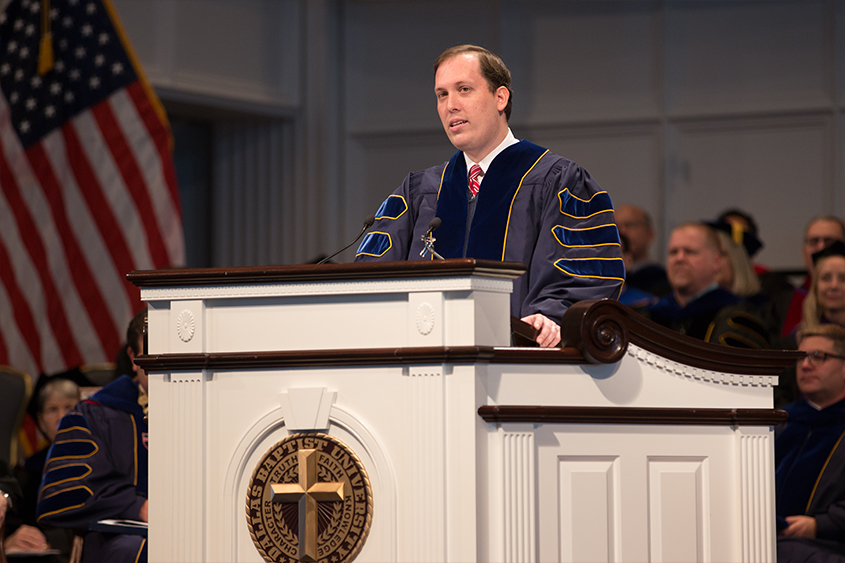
{"points": [[835, 249]]}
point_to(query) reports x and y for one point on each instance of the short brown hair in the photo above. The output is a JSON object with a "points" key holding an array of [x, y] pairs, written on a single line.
{"points": [[711, 238], [136, 331], [492, 66], [825, 219], [833, 332]]}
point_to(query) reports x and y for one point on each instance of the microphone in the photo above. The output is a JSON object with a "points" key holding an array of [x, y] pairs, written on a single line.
{"points": [[368, 222], [434, 225], [428, 239]]}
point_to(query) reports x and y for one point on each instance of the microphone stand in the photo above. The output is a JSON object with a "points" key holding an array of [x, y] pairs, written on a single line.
{"points": [[368, 222], [428, 240]]}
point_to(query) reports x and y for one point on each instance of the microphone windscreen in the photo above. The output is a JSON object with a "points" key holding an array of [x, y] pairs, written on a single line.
{"points": [[434, 224], [368, 222]]}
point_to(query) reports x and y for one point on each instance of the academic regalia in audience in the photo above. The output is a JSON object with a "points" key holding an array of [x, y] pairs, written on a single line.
{"points": [[716, 316], [636, 298], [810, 478], [97, 469], [650, 278]]}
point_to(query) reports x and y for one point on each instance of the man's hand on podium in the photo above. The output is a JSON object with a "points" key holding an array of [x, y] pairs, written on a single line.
{"points": [[549, 335]]}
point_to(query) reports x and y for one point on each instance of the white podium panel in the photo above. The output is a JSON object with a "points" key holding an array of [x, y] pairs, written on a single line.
{"points": [[630, 444]]}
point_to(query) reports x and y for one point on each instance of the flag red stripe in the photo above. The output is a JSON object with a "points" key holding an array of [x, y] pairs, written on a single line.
{"points": [[102, 212], [134, 180], [20, 310], [32, 240], [161, 137], [83, 279]]}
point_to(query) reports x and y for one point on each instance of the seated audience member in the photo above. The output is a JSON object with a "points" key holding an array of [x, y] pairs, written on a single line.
{"points": [[824, 304], [643, 273], [737, 274], [810, 454], [697, 306], [55, 399], [10, 494], [633, 297], [740, 220], [97, 466], [821, 232]]}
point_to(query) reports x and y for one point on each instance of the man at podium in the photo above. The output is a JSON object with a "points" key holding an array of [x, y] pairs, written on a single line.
{"points": [[500, 198]]}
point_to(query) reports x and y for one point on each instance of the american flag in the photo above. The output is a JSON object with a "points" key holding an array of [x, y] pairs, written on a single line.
{"points": [[87, 185]]}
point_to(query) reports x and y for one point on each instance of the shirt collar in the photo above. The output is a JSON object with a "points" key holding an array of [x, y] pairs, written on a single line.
{"points": [[485, 162]]}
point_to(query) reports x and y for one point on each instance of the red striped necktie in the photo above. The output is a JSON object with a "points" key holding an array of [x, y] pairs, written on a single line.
{"points": [[474, 173]]}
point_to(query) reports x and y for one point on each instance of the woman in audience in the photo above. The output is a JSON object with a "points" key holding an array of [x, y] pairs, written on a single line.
{"points": [[738, 275], [826, 301], [55, 399]]}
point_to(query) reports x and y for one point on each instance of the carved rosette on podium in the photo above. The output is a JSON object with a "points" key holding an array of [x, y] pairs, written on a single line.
{"points": [[309, 499]]}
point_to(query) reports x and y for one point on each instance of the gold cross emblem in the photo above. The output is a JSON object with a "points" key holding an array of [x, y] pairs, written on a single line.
{"points": [[307, 493]]}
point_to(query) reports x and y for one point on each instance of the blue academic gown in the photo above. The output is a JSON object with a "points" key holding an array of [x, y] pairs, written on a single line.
{"points": [[97, 469], [534, 207], [810, 479]]}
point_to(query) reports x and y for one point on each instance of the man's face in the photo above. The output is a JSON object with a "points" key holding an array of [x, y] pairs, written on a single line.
{"points": [[831, 284], [820, 234], [54, 409], [633, 224], [471, 114], [140, 375], [821, 383], [692, 264]]}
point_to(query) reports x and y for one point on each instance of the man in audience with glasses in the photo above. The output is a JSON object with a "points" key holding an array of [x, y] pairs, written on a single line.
{"points": [[810, 453]]}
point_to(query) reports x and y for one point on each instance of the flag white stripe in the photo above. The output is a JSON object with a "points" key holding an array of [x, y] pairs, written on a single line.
{"points": [[100, 263], [113, 187], [135, 132]]}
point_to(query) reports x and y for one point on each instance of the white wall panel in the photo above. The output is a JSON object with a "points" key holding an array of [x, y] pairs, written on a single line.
{"points": [[389, 52], [245, 51], [747, 56], [583, 60], [780, 169]]}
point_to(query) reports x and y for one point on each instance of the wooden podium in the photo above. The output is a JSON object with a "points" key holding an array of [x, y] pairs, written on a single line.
{"points": [[629, 444]]}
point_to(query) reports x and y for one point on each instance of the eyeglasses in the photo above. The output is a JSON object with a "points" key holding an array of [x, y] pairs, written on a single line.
{"points": [[817, 357], [826, 241]]}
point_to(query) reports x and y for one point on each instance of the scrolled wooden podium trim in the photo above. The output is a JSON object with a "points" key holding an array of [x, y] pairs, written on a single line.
{"points": [[602, 330]]}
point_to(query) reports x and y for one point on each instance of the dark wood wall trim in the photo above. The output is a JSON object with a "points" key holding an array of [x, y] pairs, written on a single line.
{"points": [[325, 272], [632, 415], [359, 357]]}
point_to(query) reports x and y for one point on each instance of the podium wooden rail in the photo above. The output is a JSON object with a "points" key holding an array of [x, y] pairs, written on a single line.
{"points": [[628, 444]]}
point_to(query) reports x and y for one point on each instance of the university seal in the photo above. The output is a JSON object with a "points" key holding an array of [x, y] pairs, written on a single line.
{"points": [[309, 499]]}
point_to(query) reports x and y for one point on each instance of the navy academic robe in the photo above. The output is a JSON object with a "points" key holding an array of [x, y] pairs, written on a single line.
{"points": [[717, 316], [97, 469], [534, 207], [810, 479]]}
